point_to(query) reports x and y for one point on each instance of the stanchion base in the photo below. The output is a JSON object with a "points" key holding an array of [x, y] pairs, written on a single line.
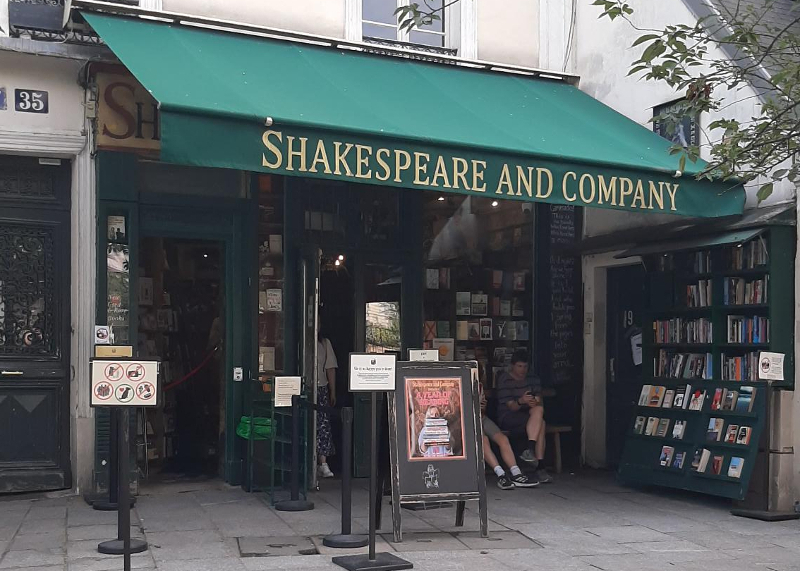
{"points": [[294, 506], [382, 562], [115, 547], [765, 515], [107, 506], [348, 541]]}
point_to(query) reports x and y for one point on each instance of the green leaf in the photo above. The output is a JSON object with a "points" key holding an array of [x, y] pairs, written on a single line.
{"points": [[645, 38], [764, 192], [682, 163]]}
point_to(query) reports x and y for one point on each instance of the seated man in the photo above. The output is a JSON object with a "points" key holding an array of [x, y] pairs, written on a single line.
{"points": [[490, 430], [520, 408]]}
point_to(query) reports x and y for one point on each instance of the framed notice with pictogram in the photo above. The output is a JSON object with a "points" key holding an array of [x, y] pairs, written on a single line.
{"points": [[119, 382]]}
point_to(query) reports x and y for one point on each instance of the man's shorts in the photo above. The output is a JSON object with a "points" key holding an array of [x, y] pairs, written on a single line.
{"points": [[490, 429], [515, 421]]}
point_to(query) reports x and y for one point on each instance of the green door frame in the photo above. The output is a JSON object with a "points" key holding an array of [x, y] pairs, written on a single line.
{"points": [[230, 222]]}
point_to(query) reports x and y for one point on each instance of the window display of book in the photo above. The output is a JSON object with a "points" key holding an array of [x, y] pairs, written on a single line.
{"points": [[701, 409]]}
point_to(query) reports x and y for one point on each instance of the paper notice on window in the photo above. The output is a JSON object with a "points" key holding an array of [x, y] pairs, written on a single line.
{"points": [[636, 348], [770, 366], [285, 388]]}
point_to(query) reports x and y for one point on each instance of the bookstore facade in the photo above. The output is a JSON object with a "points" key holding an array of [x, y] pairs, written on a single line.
{"points": [[241, 218]]}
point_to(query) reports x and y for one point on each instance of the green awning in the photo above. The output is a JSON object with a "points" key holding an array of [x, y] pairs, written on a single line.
{"points": [[695, 243], [348, 115]]}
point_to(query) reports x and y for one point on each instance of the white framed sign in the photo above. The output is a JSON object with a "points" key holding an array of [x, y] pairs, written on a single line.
{"points": [[285, 388], [423, 355], [770, 366], [371, 372], [124, 383]]}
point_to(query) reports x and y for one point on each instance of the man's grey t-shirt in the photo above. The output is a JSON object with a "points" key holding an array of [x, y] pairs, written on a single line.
{"points": [[510, 389]]}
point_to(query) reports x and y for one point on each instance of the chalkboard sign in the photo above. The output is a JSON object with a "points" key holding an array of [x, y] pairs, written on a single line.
{"points": [[435, 433], [558, 349]]}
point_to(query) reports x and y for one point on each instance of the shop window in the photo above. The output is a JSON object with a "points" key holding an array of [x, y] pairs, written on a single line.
{"points": [[478, 279]]}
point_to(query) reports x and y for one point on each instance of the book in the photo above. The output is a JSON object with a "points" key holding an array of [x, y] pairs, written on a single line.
{"points": [[669, 395], [656, 396], [696, 402], [663, 428], [463, 303], [650, 428], [517, 307], [677, 462], [731, 433], [429, 330], [497, 279], [716, 464], [679, 429], [680, 400], [735, 469], [729, 398], [486, 329], [522, 330], [743, 436], [746, 400], [698, 454], [666, 456], [716, 402], [432, 278], [445, 348], [480, 304], [505, 308], [705, 456], [519, 281], [266, 359], [643, 396], [714, 431], [502, 329], [444, 278], [443, 329], [462, 330], [638, 425], [474, 330]]}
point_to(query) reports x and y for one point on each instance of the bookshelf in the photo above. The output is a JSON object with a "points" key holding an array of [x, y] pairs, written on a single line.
{"points": [[709, 313]]}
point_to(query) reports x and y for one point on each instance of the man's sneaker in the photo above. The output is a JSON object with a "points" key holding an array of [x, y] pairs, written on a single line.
{"points": [[505, 483], [529, 457], [523, 481], [543, 476], [325, 471]]}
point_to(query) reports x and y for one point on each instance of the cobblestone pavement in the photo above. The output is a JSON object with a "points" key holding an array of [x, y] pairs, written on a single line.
{"points": [[581, 522]]}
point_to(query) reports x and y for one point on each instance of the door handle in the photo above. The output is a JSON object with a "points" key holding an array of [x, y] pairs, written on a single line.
{"points": [[12, 373]]}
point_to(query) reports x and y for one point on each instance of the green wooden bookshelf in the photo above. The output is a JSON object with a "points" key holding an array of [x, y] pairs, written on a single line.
{"points": [[763, 267]]}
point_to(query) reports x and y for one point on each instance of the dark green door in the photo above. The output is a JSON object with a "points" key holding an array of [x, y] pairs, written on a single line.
{"points": [[34, 325]]}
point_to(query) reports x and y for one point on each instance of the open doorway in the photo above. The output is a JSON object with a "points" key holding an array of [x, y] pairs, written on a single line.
{"points": [[181, 324]]}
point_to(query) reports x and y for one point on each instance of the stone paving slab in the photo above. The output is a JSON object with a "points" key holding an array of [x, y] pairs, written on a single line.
{"points": [[497, 540], [426, 542], [381, 546], [30, 558], [275, 546]]}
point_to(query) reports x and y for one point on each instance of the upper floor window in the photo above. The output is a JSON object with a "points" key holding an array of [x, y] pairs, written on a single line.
{"points": [[379, 21]]}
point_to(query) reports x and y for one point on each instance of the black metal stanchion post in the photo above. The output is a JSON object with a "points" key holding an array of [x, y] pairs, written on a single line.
{"points": [[123, 545], [110, 503], [346, 539], [373, 561], [295, 504]]}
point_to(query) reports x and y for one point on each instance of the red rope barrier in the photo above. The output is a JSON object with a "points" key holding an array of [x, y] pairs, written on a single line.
{"points": [[193, 372]]}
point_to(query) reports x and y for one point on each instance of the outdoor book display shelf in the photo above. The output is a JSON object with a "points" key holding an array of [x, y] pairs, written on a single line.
{"points": [[701, 414]]}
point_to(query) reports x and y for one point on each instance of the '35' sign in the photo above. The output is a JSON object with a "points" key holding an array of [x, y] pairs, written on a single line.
{"points": [[30, 101]]}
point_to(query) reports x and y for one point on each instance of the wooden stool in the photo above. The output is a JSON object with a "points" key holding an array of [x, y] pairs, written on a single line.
{"points": [[556, 430]]}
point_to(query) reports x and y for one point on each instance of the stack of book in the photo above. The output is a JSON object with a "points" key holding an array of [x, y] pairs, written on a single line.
{"points": [[737, 291], [740, 367], [748, 329], [682, 365], [699, 294]]}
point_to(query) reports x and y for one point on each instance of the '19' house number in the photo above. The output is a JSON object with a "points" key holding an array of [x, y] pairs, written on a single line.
{"points": [[30, 101]]}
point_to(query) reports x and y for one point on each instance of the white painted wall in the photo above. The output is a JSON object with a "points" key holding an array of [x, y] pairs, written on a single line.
{"points": [[62, 133], [508, 32], [321, 17], [57, 76], [602, 59]]}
